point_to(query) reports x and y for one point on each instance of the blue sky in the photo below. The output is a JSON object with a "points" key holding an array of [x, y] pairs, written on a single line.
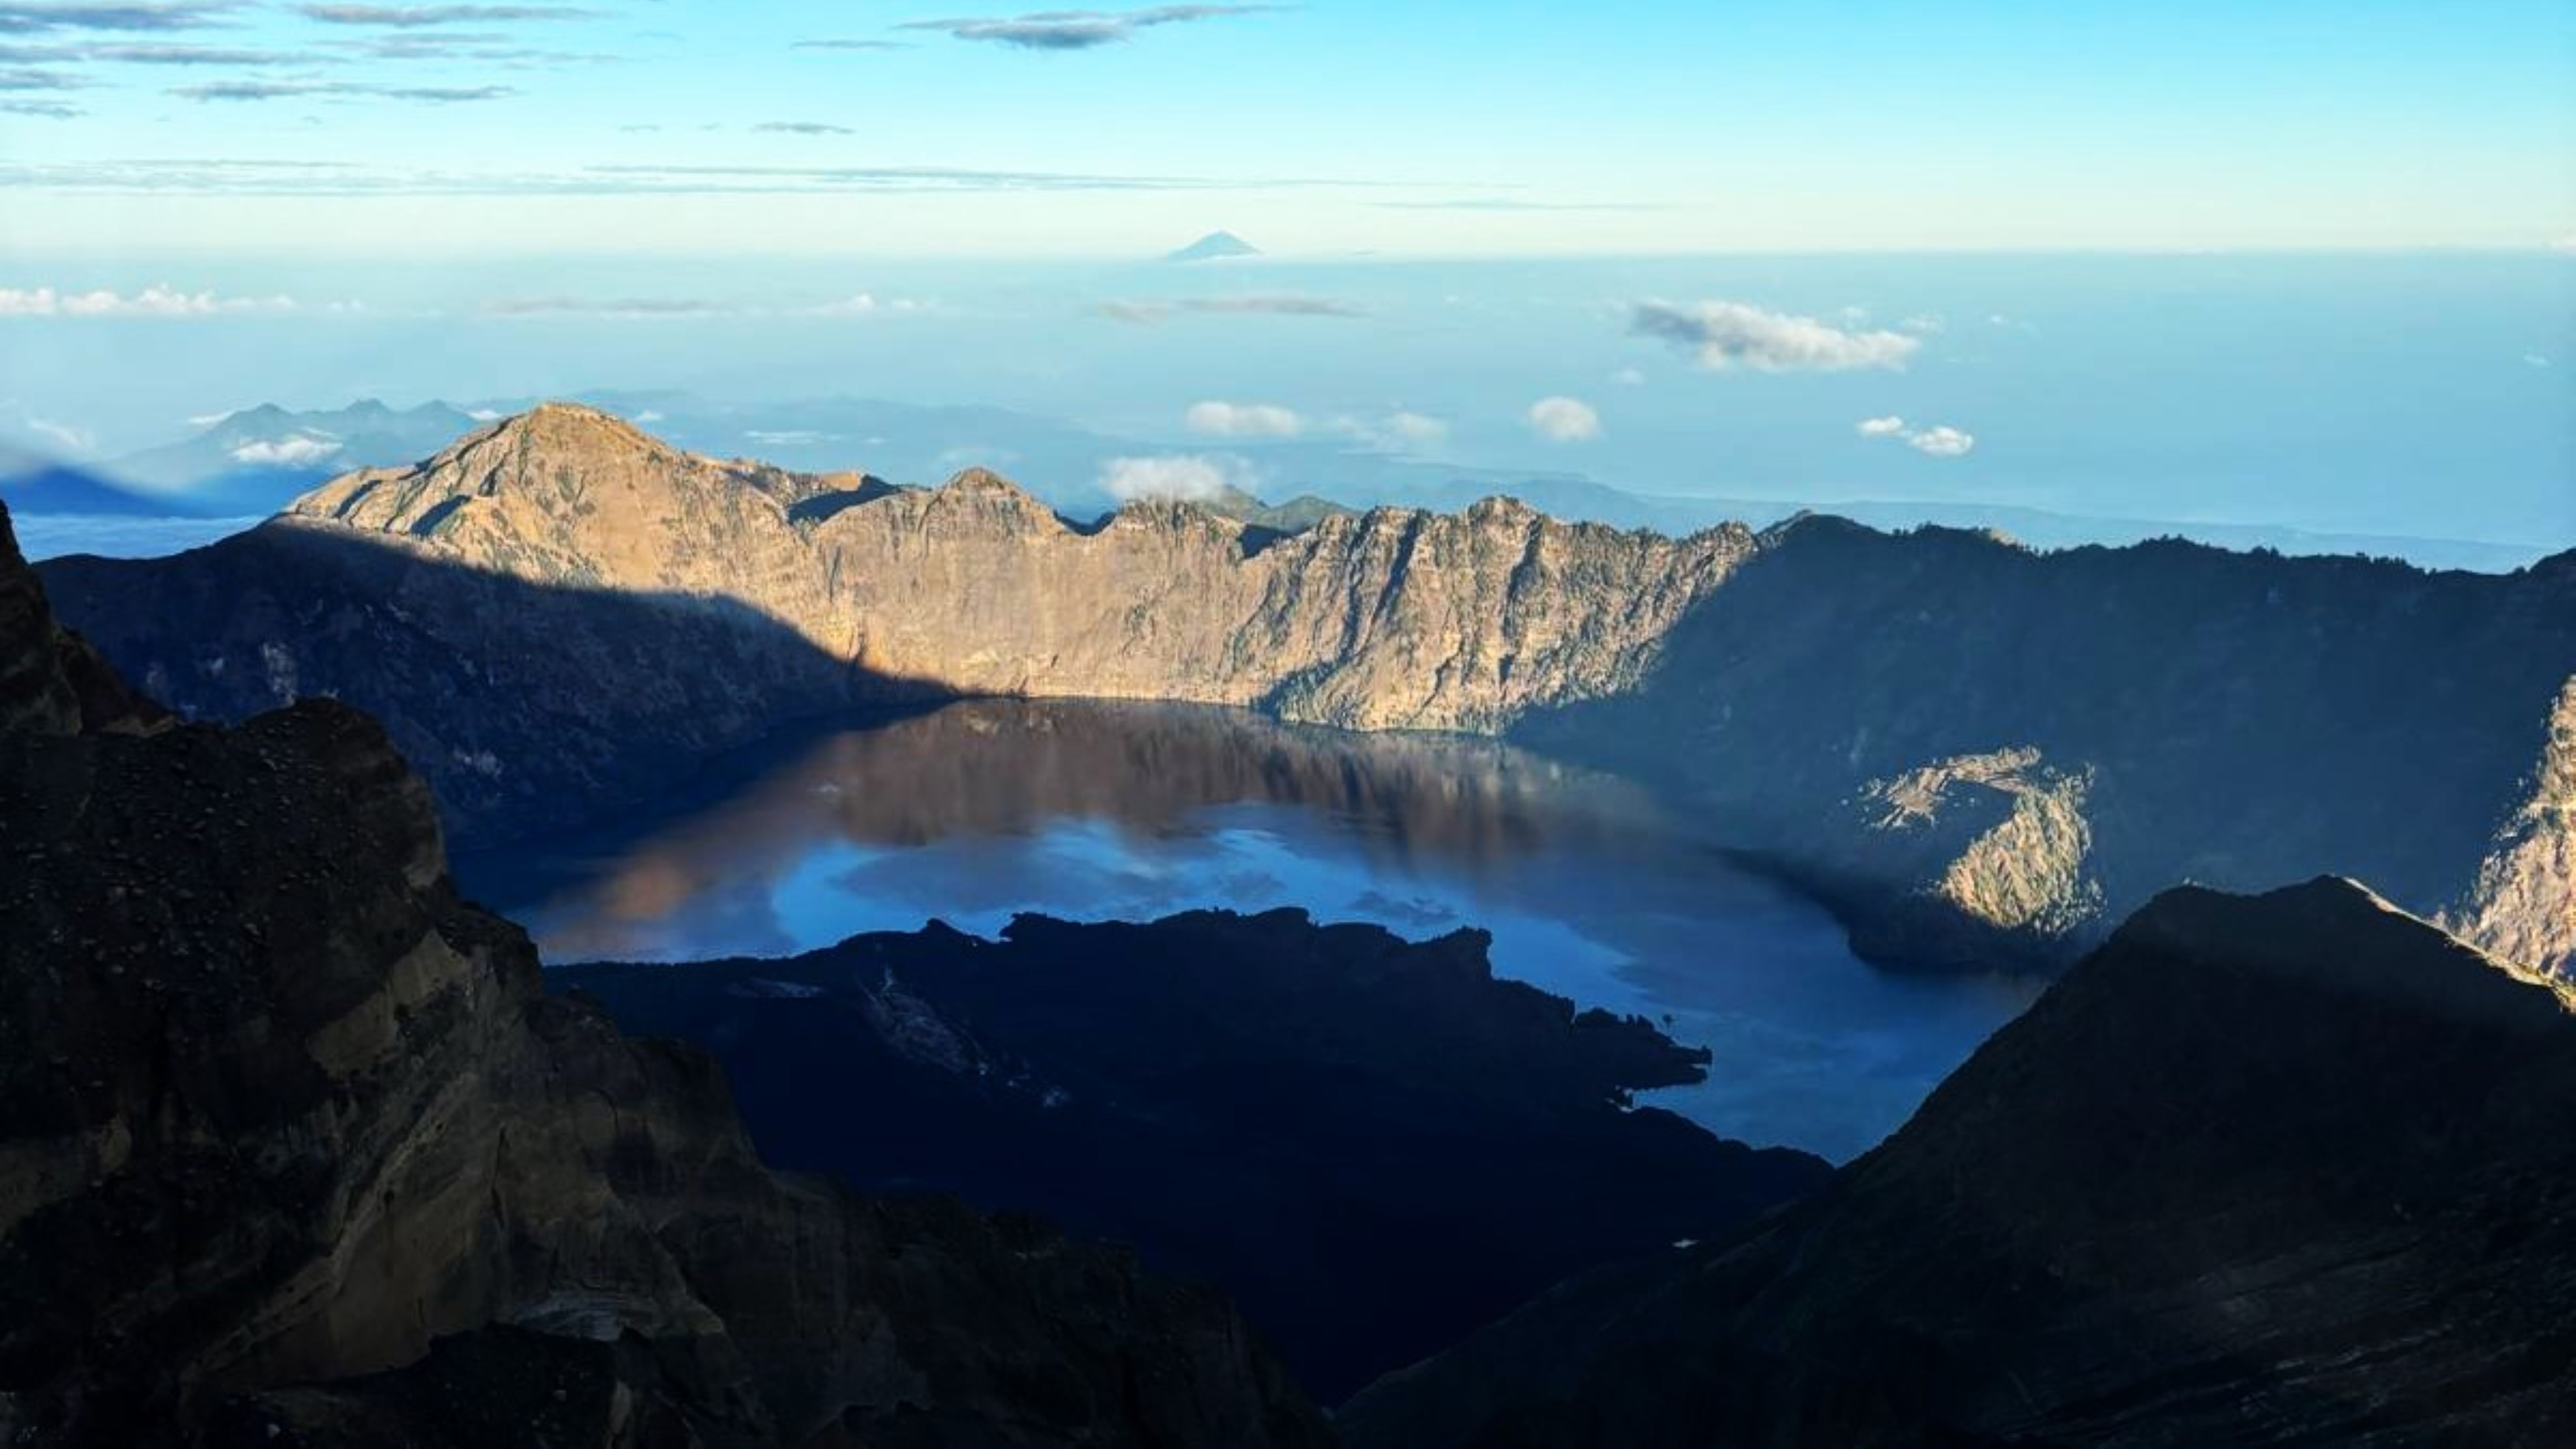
{"points": [[1431, 128], [2280, 263]]}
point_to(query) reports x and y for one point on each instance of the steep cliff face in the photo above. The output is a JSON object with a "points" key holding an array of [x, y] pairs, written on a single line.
{"points": [[1978, 751], [1382, 620], [2277, 1170], [295, 1150], [1974, 751], [2524, 904]]}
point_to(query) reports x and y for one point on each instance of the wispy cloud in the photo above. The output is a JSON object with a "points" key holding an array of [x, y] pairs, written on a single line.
{"points": [[22, 78], [411, 16], [276, 90], [606, 307], [1940, 440], [1734, 334], [50, 110], [1512, 203], [147, 52], [1565, 420], [153, 301], [476, 45], [1171, 475], [1395, 432], [1062, 30], [300, 451], [35, 19], [342, 178], [61, 434], [1243, 420], [804, 128], [1148, 313], [836, 44]]}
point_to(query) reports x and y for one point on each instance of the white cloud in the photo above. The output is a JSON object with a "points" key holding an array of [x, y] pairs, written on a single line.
{"points": [[649, 415], [1940, 440], [1924, 323], [1734, 334], [301, 450], [1416, 428], [789, 437], [61, 433], [153, 301], [858, 305], [1168, 476], [206, 420], [1243, 420], [2566, 244], [1565, 420], [485, 415], [1629, 377]]}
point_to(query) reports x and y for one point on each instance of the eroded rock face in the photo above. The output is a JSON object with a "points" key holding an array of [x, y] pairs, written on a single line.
{"points": [[2289, 1169], [1390, 619], [2524, 904], [559, 612], [295, 1150]]}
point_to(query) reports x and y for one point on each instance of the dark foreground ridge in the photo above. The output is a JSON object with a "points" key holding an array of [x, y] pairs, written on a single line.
{"points": [[1372, 1145], [295, 1151], [2288, 1169]]}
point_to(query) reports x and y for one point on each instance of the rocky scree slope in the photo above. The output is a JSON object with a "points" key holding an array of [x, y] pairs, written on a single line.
{"points": [[2288, 1169], [295, 1151], [1976, 752]]}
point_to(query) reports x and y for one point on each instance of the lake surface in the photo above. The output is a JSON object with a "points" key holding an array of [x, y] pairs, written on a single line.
{"points": [[1591, 887]]}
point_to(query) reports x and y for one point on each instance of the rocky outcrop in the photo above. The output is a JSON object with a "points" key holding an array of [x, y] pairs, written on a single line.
{"points": [[2279, 1170], [558, 611], [2524, 904], [1371, 1144], [1383, 620], [1979, 753], [295, 1150]]}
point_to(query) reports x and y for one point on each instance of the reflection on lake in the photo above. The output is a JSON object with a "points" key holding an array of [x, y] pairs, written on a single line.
{"points": [[1096, 810]]}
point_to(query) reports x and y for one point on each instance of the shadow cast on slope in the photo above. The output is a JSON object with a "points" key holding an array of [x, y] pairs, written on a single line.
{"points": [[527, 706], [2242, 720]]}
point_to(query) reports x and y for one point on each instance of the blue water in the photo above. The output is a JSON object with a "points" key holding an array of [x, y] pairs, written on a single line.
{"points": [[986, 809]]}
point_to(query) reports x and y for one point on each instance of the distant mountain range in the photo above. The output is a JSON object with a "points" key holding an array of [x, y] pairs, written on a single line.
{"points": [[255, 462]]}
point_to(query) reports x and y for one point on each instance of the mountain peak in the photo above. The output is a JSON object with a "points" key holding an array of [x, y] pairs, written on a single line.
{"points": [[1215, 246], [2337, 934]]}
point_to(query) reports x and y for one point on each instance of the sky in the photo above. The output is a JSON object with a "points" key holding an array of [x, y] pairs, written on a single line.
{"points": [[2292, 264], [1330, 128]]}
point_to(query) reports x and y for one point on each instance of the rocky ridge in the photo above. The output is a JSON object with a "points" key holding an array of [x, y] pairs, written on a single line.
{"points": [[296, 1151], [558, 609]]}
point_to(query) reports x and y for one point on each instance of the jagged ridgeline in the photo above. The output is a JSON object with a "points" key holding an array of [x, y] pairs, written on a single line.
{"points": [[1972, 750], [296, 1152]]}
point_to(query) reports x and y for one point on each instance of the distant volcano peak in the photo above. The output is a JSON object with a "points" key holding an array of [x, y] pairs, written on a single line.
{"points": [[1215, 246]]}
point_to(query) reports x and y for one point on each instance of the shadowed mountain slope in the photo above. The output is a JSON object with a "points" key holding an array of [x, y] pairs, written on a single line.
{"points": [[1372, 1145], [295, 1151], [2288, 1169]]}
